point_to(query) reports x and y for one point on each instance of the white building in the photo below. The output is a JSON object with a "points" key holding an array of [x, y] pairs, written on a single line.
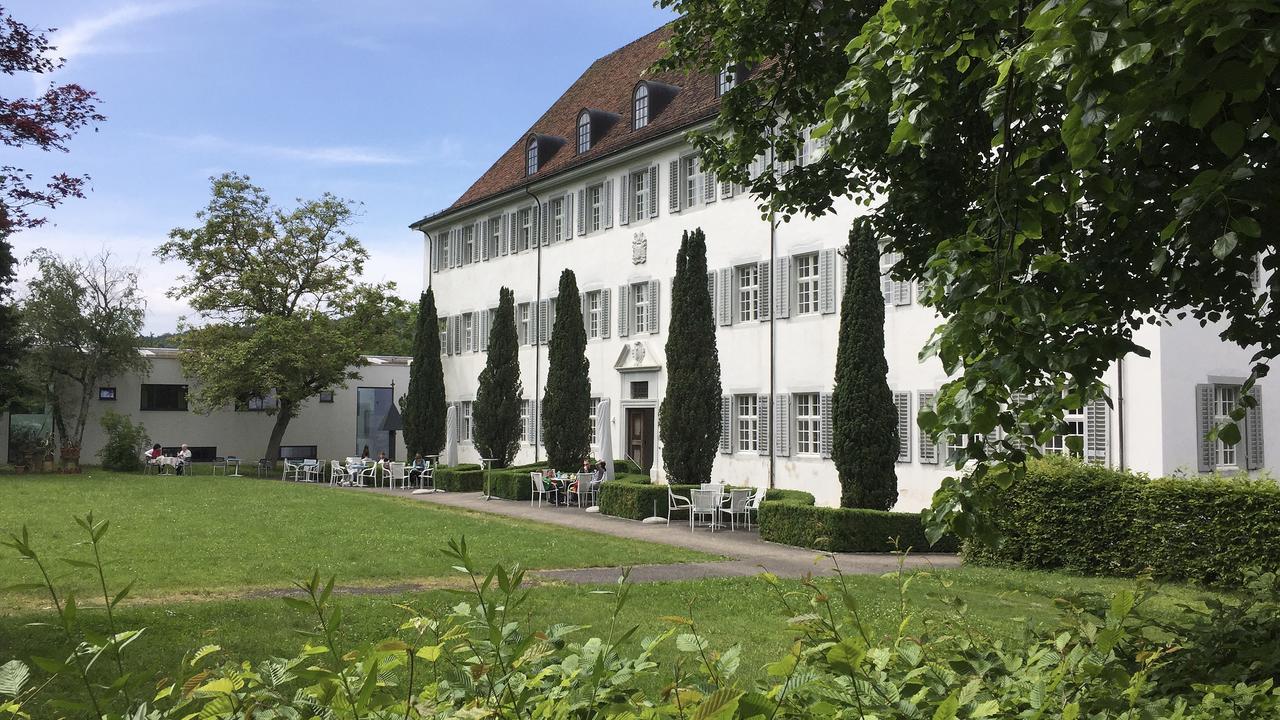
{"points": [[333, 425], [605, 183]]}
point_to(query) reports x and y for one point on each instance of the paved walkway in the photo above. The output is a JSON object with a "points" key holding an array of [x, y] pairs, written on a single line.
{"points": [[746, 554]]}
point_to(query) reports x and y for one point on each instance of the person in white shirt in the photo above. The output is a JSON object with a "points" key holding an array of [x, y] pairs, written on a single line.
{"points": [[184, 457]]}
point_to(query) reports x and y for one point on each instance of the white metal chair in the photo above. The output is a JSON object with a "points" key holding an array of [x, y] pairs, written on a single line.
{"points": [[292, 470], [704, 503], [369, 473], [739, 501], [539, 491], [337, 473], [582, 490], [395, 473], [310, 471], [753, 506], [676, 503], [718, 487]]}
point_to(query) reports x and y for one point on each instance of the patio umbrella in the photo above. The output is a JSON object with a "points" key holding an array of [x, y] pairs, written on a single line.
{"points": [[391, 423], [451, 437], [603, 419]]}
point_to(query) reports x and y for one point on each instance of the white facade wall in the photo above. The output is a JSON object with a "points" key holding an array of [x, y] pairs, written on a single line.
{"points": [[1159, 412]]}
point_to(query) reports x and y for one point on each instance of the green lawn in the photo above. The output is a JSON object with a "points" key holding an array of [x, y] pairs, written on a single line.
{"points": [[189, 536]]}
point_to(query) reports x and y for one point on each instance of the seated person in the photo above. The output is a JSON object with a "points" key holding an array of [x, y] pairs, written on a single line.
{"points": [[599, 473], [154, 454], [417, 467], [184, 457]]}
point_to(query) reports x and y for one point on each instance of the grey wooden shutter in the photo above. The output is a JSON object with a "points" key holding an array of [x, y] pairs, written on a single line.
{"points": [[566, 232], [608, 203], [604, 313], [582, 211], [1095, 431], [674, 191], [782, 288], [624, 311], [458, 337], [709, 184], [1253, 447], [726, 296], [509, 233], [726, 189], [901, 292], [453, 248], [476, 320], [503, 230], [765, 289], [762, 422], [902, 402], [484, 330], [824, 437], [726, 424], [544, 313], [482, 229], [551, 315], [782, 425], [624, 197], [653, 191], [448, 336], [1204, 423], [827, 281], [544, 224], [711, 289], [586, 314], [928, 448], [433, 247], [655, 323]]}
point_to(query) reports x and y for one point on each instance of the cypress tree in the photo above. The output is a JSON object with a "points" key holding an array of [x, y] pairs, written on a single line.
{"points": [[566, 403], [864, 419], [423, 408], [496, 414], [689, 420]]}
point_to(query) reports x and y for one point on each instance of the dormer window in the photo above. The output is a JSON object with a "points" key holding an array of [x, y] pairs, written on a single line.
{"points": [[531, 157], [640, 107], [727, 80], [584, 131]]}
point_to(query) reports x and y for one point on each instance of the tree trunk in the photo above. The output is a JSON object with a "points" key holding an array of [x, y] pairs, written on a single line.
{"points": [[283, 416]]}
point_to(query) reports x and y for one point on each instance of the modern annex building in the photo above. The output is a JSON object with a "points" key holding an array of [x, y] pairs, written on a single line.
{"points": [[605, 183]]}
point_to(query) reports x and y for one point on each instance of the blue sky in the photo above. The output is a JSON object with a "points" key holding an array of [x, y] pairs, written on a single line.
{"points": [[399, 105]]}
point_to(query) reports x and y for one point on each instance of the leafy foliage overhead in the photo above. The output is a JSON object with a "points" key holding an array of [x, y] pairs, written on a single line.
{"points": [[1058, 174]]}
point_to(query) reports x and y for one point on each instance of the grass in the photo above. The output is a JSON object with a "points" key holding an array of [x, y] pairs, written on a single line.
{"points": [[193, 536]]}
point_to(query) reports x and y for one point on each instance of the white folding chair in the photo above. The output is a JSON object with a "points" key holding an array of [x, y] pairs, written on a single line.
{"points": [[738, 504], [704, 503], [368, 476], [539, 491], [395, 473], [337, 473], [309, 471], [676, 503], [292, 470]]}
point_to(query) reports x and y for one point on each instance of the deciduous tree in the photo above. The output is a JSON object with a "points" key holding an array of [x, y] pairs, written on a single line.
{"points": [[423, 408], [497, 410], [689, 419], [275, 291], [566, 402]]}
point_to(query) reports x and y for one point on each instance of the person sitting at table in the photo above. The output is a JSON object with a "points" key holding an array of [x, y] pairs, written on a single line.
{"points": [[598, 474], [417, 467], [184, 457], [154, 454], [364, 454]]}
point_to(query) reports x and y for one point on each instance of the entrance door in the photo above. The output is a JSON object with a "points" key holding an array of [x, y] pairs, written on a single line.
{"points": [[640, 436]]}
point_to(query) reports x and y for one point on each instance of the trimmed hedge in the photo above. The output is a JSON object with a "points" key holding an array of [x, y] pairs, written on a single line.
{"points": [[789, 496], [1068, 515], [636, 501], [846, 529], [459, 478]]}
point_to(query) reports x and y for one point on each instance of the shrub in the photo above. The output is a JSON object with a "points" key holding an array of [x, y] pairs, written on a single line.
{"points": [[790, 496], [497, 407], [627, 466], [845, 529], [625, 498], [566, 399], [459, 478], [1065, 514], [423, 408], [125, 443]]}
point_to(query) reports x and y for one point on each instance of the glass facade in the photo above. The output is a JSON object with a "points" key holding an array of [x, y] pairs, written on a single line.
{"points": [[372, 406]]}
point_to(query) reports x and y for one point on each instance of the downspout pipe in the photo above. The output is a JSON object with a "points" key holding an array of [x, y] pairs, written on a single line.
{"points": [[1120, 411], [773, 350], [431, 251], [536, 405]]}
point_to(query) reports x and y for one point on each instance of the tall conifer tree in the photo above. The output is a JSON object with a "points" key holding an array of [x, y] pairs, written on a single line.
{"points": [[689, 420], [423, 408], [497, 410], [566, 404], [864, 419]]}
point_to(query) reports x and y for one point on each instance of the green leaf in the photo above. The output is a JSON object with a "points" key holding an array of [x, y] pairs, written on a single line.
{"points": [[1205, 106], [1247, 226], [985, 709], [719, 705], [947, 710], [1229, 434], [1225, 245], [1229, 137], [13, 675], [962, 63], [1130, 56]]}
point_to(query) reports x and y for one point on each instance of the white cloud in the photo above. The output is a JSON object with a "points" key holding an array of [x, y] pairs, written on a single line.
{"points": [[319, 154], [89, 35]]}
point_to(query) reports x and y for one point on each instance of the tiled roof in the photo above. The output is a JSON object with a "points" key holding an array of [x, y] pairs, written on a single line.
{"points": [[606, 85]]}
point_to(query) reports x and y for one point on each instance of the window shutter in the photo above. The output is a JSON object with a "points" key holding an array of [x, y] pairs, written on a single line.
{"points": [[433, 247], [624, 207], [782, 288], [726, 296], [484, 331], [827, 281], [782, 425], [566, 232], [901, 292], [608, 203], [766, 289], [582, 212], [674, 191], [453, 248], [448, 336], [726, 189], [824, 441], [527, 407], [1095, 431], [551, 315], [762, 422], [475, 330], [604, 313], [503, 229], [624, 310], [653, 191], [1204, 423], [1253, 448], [655, 322], [928, 448], [902, 401], [586, 314], [711, 288], [544, 312], [482, 238], [544, 224], [726, 424], [458, 337], [708, 187]]}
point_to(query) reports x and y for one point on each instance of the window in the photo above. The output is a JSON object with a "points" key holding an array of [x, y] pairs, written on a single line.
{"points": [[468, 331], [523, 316], [524, 422], [444, 336], [639, 390], [326, 396], [469, 254], [1225, 398], [640, 305], [257, 403], [593, 315], [808, 423], [748, 292], [164, 397], [640, 107], [1059, 444], [442, 250], [556, 208], [748, 423], [806, 284], [531, 157], [524, 228], [295, 452], [639, 199], [689, 177], [595, 203], [495, 232], [595, 429], [728, 78], [106, 393], [955, 443], [584, 132], [466, 419]]}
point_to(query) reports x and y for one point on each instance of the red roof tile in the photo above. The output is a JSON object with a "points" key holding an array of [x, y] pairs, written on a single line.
{"points": [[606, 85]]}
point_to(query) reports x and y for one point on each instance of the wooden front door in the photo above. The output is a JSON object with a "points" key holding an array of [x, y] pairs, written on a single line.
{"points": [[640, 436]]}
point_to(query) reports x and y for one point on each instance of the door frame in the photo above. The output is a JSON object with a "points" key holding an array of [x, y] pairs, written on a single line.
{"points": [[648, 439]]}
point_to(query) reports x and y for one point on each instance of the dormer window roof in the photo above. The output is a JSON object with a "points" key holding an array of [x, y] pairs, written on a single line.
{"points": [[728, 79], [648, 100], [538, 151], [640, 107], [531, 156], [584, 131]]}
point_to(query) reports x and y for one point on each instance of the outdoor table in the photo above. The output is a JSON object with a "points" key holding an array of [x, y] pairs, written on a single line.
{"points": [[232, 460], [165, 461]]}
